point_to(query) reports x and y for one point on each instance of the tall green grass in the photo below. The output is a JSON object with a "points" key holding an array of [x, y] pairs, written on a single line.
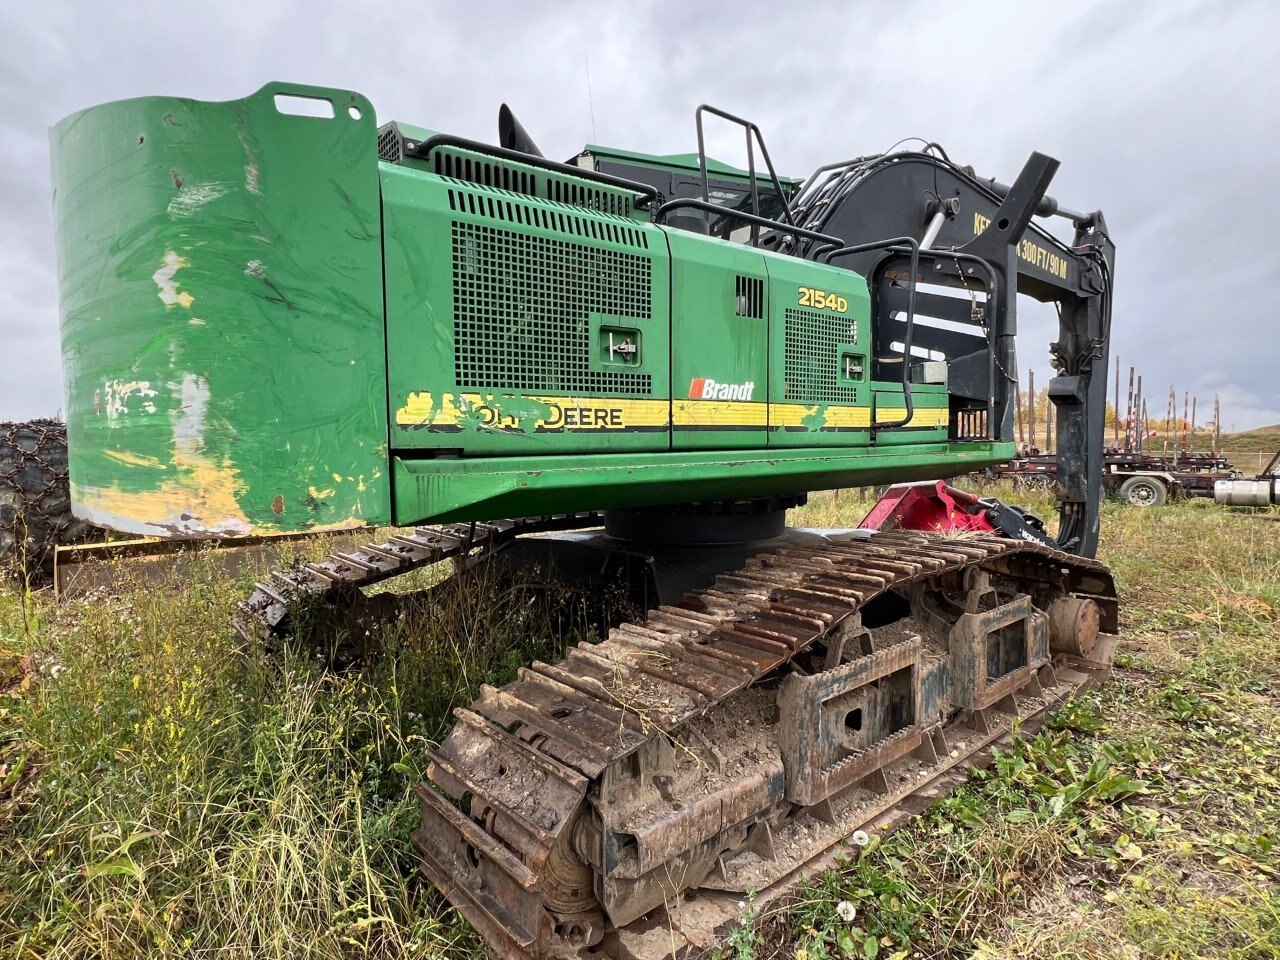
{"points": [[195, 795], [166, 790]]}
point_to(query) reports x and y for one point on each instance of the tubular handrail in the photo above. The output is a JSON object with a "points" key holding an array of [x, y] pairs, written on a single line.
{"points": [[751, 129], [910, 244], [895, 245], [681, 203]]}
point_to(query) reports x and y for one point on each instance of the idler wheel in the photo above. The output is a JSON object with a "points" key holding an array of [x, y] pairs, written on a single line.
{"points": [[1073, 626]]}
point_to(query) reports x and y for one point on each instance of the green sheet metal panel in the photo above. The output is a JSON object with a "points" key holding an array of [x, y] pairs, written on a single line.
{"points": [[720, 332], [820, 335], [929, 421], [221, 309], [486, 487], [519, 325]]}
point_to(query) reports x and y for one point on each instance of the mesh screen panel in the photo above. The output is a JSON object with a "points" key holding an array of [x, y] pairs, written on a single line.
{"points": [[389, 146], [811, 357], [522, 305]]}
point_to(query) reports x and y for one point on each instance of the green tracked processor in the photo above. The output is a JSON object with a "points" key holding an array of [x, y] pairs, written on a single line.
{"points": [[280, 317]]}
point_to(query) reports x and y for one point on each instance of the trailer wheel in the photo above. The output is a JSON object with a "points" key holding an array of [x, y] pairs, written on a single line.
{"points": [[1143, 492]]}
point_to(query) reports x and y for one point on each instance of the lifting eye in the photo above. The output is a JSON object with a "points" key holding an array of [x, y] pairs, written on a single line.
{"points": [[853, 719], [302, 106]]}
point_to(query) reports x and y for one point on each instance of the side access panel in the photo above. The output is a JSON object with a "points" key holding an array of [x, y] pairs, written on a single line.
{"points": [[720, 344], [929, 420], [517, 325], [820, 356]]}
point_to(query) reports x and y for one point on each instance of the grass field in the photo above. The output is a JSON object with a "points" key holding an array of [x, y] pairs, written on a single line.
{"points": [[165, 791]]}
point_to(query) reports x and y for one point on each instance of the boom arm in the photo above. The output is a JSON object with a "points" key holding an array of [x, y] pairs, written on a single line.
{"points": [[958, 216]]}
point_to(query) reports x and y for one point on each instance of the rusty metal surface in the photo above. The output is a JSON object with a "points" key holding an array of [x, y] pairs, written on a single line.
{"points": [[726, 743], [1073, 626], [825, 752], [82, 569], [655, 789], [265, 614], [695, 925], [995, 652]]}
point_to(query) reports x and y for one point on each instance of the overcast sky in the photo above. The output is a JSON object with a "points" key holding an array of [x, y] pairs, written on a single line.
{"points": [[1166, 115]]}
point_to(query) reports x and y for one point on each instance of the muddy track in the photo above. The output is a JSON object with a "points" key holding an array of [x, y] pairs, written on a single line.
{"points": [[339, 577], [731, 743]]}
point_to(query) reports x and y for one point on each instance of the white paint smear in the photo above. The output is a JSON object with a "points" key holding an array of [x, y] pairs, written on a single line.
{"points": [[164, 278], [192, 196], [118, 392]]}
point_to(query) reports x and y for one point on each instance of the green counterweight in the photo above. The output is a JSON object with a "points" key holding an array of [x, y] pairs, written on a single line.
{"points": [[220, 268], [275, 322]]}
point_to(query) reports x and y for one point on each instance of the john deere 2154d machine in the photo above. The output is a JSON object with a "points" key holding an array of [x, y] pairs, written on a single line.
{"points": [[284, 322]]}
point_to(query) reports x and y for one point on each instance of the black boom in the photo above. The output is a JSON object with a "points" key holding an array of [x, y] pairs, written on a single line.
{"points": [[977, 236]]}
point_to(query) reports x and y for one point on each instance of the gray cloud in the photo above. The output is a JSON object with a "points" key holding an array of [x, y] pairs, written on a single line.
{"points": [[1165, 115]]}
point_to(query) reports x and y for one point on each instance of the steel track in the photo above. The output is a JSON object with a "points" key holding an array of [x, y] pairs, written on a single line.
{"points": [[340, 576], [531, 788]]}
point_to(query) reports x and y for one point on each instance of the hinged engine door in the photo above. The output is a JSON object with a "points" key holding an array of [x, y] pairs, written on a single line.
{"points": [[517, 325]]}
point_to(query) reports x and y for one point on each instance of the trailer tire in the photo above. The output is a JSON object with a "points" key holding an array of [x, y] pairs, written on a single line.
{"points": [[1144, 492], [35, 499]]}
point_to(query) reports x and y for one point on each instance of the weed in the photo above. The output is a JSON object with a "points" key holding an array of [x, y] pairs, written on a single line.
{"points": [[744, 942]]}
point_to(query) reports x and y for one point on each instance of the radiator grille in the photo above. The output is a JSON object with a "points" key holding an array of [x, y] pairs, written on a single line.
{"points": [[811, 356], [522, 305]]}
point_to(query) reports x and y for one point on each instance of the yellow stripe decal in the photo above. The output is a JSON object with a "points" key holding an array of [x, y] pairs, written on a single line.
{"points": [[507, 412], [719, 413], [453, 411], [814, 416], [920, 417], [735, 413]]}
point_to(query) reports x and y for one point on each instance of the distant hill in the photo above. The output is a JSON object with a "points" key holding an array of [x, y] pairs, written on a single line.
{"points": [[1265, 438], [1260, 444]]}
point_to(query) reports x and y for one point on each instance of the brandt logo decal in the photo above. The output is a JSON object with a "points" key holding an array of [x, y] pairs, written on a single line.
{"points": [[704, 388]]}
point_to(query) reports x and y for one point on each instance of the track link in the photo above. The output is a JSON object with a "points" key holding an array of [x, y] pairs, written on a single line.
{"points": [[340, 576]]}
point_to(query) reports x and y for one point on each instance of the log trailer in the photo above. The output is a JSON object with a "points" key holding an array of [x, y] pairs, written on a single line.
{"points": [[278, 316], [1140, 480]]}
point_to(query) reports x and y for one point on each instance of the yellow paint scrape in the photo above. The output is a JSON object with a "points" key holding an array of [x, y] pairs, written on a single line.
{"points": [[131, 459]]}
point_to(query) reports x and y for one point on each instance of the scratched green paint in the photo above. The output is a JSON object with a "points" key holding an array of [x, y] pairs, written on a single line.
{"points": [[422, 215], [228, 257], [714, 341], [487, 487], [786, 276]]}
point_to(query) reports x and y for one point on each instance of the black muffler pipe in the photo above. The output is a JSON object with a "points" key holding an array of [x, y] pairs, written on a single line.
{"points": [[513, 136]]}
